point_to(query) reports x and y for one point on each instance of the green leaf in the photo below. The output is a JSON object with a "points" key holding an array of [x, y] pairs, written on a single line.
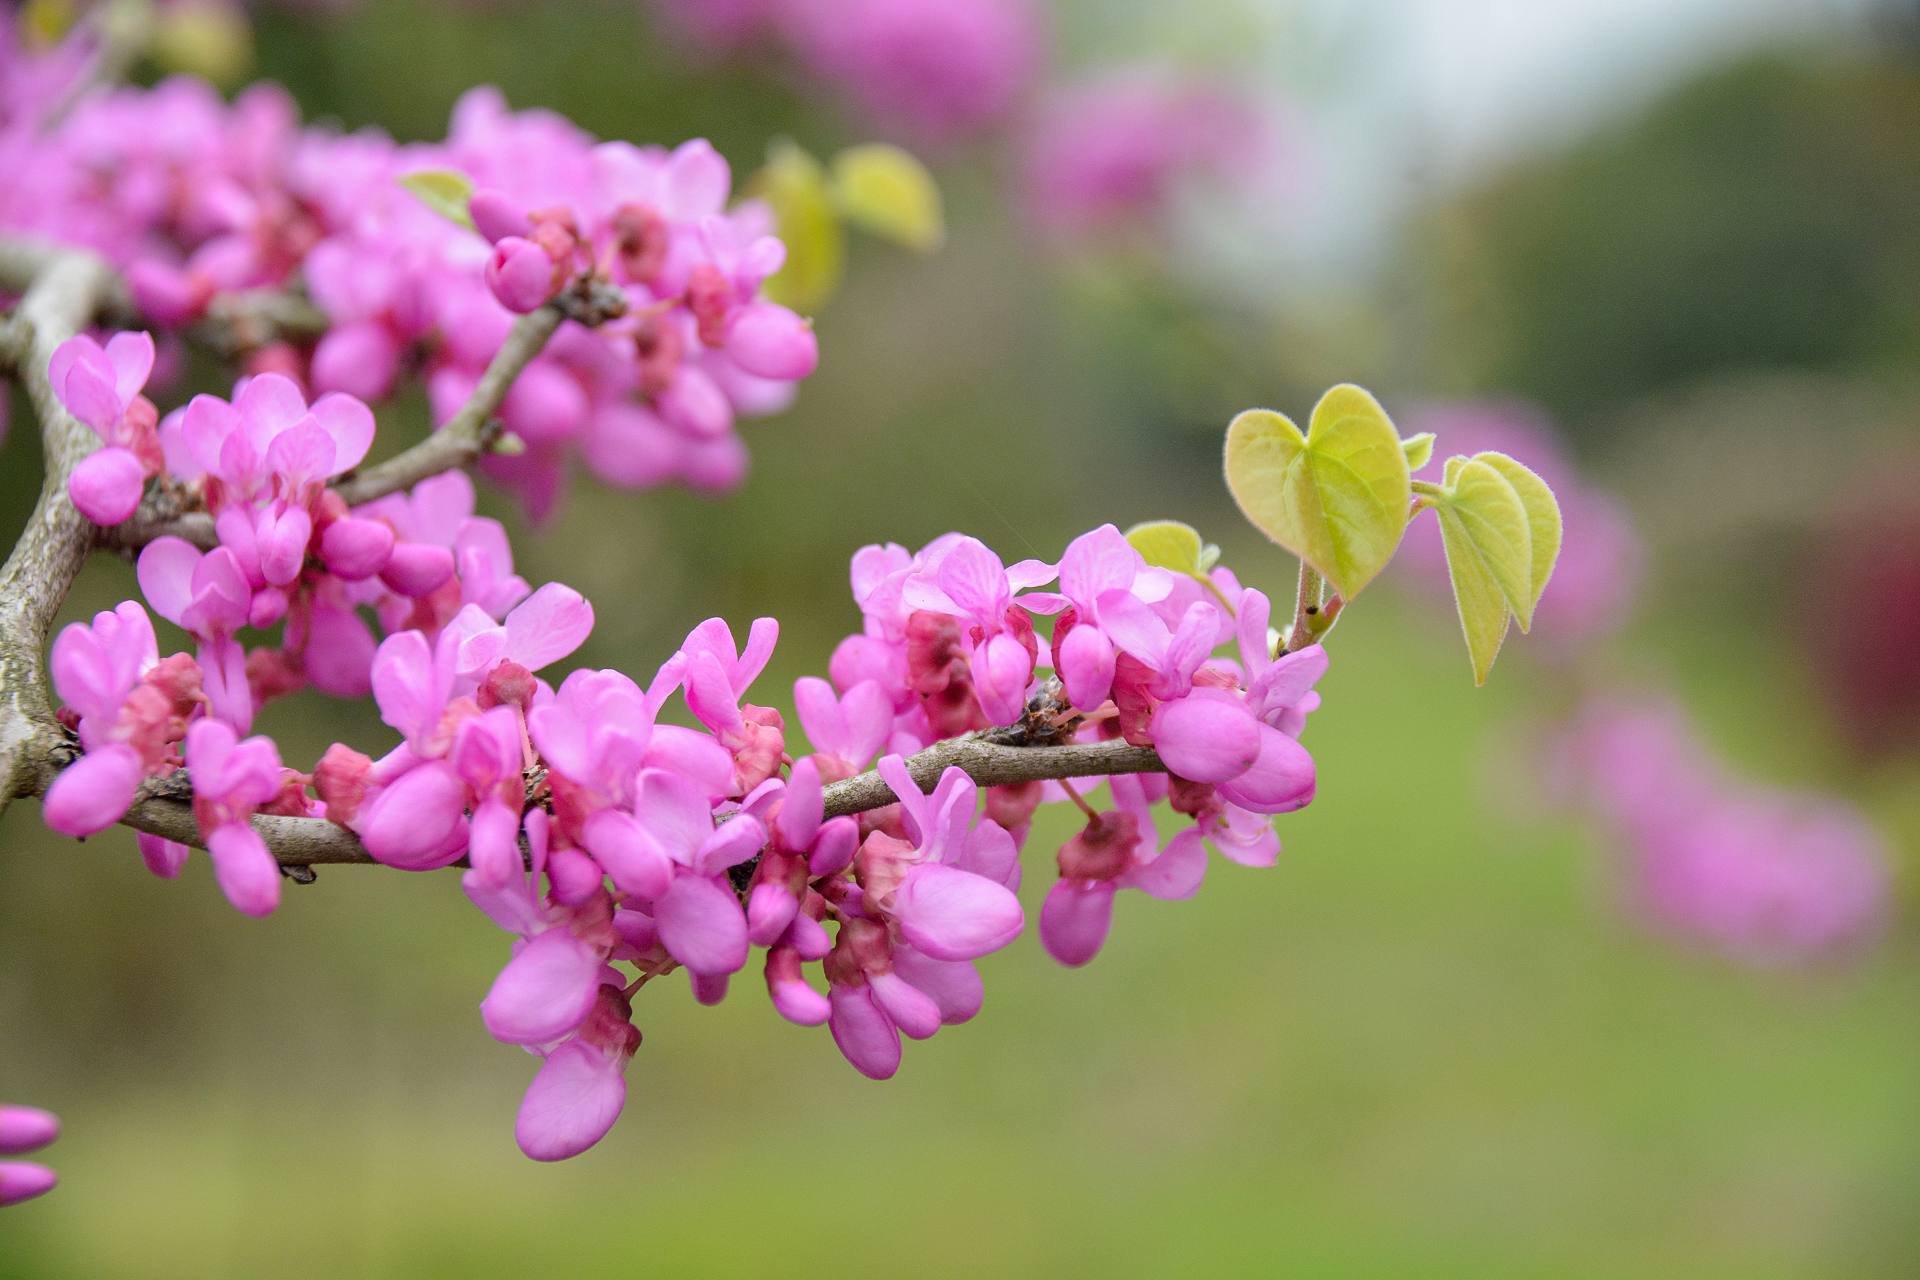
{"points": [[1543, 522], [887, 192], [1494, 519], [444, 191], [1419, 450], [1337, 496], [1169, 544], [807, 219], [1482, 606]]}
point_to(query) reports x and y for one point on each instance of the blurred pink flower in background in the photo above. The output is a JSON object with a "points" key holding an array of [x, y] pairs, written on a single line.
{"points": [[1764, 876], [1117, 149], [933, 70]]}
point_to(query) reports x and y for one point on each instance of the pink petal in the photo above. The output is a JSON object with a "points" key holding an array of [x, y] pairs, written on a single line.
{"points": [[416, 569], [912, 1010], [349, 423], [131, 355], [697, 180], [268, 405], [770, 909], [635, 861], [90, 397], [94, 792], [361, 360], [284, 536], [20, 1181], [701, 925], [955, 915], [800, 808], [1074, 921], [572, 1103], [165, 573], [520, 274], [953, 985], [1280, 781], [355, 549], [1086, 666], [1204, 738], [408, 823], [1176, 872], [164, 858], [864, 1033], [247, 873], [107, 485], [547, 626], [546, 990], [339, 653], [404, 685], [24, 1129], [731, 843], [769, 341]]}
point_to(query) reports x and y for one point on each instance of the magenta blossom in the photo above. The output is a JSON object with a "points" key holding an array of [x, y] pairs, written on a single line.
{"points": [[231, 781], [101, 387], [24, 1130]]}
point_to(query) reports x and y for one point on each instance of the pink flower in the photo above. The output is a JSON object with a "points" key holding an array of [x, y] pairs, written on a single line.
{"points": [[231, 780], [846, 731], [966, 581], [1116, 152], [581, 1088], [209, 595], [1097, 566], [934, 68], [670, 852], [1117, 850], [101, 387]]}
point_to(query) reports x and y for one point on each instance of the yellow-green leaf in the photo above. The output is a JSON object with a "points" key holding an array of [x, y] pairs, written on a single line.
{"points": [[1419, 450], [807, 219], [886, 191], [1169, 544], [1494, 518], [1482, 607], [206, 38], [444, 191], [1543, 522], [1337, 496]]}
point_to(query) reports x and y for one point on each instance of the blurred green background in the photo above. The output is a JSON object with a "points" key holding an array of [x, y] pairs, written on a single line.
{"points": [[1427, 1043]]}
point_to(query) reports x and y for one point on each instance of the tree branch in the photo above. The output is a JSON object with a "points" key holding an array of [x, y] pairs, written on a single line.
{"points": [[52, 547], [466, 437], [993, 764]]}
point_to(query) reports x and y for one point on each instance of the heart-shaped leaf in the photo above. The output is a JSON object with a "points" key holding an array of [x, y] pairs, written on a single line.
{"points": [[1419, 450], [444, 191], [1493, 518], [1483, 609], [1169, 544], [806, 218], [1337, 496], [1543, 523], [886, 191]]}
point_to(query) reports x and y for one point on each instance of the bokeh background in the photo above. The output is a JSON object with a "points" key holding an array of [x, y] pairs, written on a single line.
{"points": [[1432, 1041]]}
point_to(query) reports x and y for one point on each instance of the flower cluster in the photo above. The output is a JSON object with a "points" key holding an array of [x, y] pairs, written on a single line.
{"points": [[214, 210], [1763, 876], [600, 835]]}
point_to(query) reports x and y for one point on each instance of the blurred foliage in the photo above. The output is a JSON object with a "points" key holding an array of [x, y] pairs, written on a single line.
{"points": [[1759, 216]]}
